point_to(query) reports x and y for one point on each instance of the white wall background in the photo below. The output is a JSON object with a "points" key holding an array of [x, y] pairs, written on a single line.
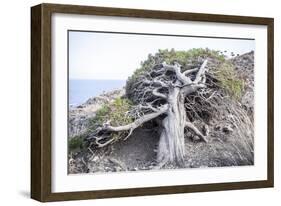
{"points": [[15, 102]]}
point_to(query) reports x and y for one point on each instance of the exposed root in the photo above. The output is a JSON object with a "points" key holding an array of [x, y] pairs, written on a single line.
{"points": [[196, 131]]}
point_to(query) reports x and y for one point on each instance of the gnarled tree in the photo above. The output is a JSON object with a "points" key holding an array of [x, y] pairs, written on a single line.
{"points": [[162, 91], [171, 93]]}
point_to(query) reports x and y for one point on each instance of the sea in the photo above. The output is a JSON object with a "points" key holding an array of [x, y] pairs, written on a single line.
{"points": [[80, 90]]}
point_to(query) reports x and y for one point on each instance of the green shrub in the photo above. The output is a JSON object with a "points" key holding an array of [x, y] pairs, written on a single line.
{"points": [[229, 80], [119, 112], [115, 112], [75, 143]]}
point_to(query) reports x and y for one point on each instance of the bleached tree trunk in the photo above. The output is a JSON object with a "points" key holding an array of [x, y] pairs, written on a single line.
{"points": [[171, 143]]}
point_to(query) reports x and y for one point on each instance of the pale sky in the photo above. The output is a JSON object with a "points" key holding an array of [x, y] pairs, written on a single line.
{"points": [[115, 56]]}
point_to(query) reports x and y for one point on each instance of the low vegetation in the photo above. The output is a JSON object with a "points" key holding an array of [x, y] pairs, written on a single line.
{"points": [[76, 143], [115, 113], [229, 80]]}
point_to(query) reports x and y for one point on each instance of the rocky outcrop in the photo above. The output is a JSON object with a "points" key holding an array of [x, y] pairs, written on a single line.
{"points": [[80, 115]]}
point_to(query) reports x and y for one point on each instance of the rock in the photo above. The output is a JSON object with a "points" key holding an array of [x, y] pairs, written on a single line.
{"points": [[151, 167], [227, 129], [217, 128], [195, 138], [95, 159], [205, 130], [71, 161]]}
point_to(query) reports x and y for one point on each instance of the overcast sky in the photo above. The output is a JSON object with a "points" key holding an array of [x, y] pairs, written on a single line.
{"points": [[116, 56]]}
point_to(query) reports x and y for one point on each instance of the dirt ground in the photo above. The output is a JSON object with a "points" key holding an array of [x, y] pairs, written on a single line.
{"points": [[139, 152]]}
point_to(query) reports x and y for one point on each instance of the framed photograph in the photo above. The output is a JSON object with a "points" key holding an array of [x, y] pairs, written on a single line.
{"points": [[128, 102]]}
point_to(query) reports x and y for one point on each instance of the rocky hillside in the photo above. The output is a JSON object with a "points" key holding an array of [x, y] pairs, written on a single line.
{"points": [[224, 148], [79, 116], [244, 65]]}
